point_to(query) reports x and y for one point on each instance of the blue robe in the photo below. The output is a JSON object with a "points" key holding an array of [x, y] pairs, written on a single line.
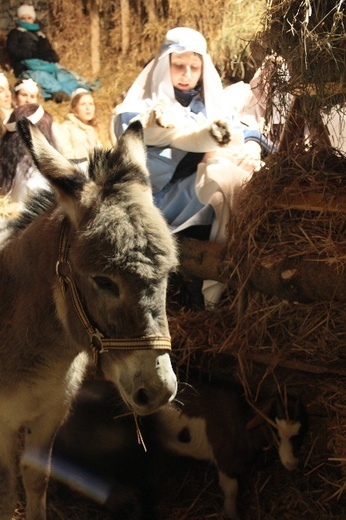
{"points": [[175, 195]]}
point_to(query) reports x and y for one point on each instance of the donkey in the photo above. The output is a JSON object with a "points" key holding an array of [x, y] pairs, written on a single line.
{"points": [[83, 275]]}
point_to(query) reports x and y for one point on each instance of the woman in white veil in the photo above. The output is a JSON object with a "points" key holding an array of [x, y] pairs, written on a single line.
{"points": [[198, 154], [154, 82]]}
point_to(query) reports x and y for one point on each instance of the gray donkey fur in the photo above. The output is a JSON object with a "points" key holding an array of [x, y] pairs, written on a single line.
{"points": [[120, 254]]}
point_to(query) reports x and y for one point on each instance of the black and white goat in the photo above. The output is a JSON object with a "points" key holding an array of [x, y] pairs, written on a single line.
{"points": [[216, 424], [211, 422]]}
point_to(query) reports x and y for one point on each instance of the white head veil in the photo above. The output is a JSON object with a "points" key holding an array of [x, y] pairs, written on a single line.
{"points": [[154, 82], [29, 85], [3, 80]]}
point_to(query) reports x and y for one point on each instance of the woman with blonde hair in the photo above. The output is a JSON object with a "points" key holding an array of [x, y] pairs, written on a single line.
{"points": [[79, 133]]}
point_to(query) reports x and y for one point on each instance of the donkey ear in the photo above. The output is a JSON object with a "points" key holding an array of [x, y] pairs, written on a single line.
{"points": [[131, 145], [66, 180]]}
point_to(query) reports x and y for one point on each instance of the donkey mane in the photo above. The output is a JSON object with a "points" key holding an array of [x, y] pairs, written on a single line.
{"points": [[125, 170], [121, 163]]}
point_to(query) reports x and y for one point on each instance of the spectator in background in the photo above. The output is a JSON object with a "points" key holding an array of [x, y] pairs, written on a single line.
{"points": [[19, 176], [271, 74], [6, 103], [32, 56], [241, 99], [268, 100], [26, 91], [79, 133]]}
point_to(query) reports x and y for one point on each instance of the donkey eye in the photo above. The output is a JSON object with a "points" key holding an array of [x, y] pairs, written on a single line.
{"points": [[106, 284]]}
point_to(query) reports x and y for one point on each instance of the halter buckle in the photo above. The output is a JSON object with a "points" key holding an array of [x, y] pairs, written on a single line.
{"points": [[96, 345]]}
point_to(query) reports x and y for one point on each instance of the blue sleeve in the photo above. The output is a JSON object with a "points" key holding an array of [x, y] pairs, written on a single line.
{"points": [[252, 134], [122, 121]]}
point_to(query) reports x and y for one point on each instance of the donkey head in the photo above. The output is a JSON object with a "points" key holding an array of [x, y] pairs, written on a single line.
{"points": [[120, 253]]}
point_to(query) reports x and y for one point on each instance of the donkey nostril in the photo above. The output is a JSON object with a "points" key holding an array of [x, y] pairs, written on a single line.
{"points": [[142, 397]]}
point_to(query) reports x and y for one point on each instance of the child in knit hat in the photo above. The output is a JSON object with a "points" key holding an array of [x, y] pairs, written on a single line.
{"points": [[26, 13]]}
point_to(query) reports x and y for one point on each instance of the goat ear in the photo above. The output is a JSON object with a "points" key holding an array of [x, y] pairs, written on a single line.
{"points": [[131, 145], [66, 180]]}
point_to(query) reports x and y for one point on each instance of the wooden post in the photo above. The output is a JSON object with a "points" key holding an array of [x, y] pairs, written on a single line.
{"points": [[125, 26], [151, 10], [95, 39]]}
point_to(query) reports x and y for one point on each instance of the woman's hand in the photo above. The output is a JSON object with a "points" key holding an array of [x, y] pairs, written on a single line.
{"points": [[161, 114], [248, 156]]}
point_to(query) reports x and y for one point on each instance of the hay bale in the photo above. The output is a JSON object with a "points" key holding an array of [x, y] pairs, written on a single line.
{"points": [[311, 38], [260, 228], [274, 343]]}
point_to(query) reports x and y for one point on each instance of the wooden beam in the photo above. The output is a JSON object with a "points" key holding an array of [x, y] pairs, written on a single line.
{"points": [[269, 361], [311, 201], [202, 259], [125, 26], [329, 89], [303, 279]]}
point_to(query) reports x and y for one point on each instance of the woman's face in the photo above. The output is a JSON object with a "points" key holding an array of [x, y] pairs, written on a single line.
{"points": [[186, 70], [5, 97], [23, 97], [85, 108]]}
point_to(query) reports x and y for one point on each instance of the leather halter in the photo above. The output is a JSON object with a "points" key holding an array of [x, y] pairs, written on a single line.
{"points": [[98, 343]]}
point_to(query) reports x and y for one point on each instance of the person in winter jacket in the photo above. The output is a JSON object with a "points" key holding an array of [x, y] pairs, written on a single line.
{"points": [[78, 134], [32, 56]]}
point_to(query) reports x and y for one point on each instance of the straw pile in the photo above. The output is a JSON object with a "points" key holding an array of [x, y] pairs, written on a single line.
{"points": [[266, 343], [262, 341], [311, 38], [227, 30]]}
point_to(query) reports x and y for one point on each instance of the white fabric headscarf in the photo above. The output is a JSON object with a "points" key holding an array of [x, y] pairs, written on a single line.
{"points": [[154, 82], [3, 80], [29, 85]]}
